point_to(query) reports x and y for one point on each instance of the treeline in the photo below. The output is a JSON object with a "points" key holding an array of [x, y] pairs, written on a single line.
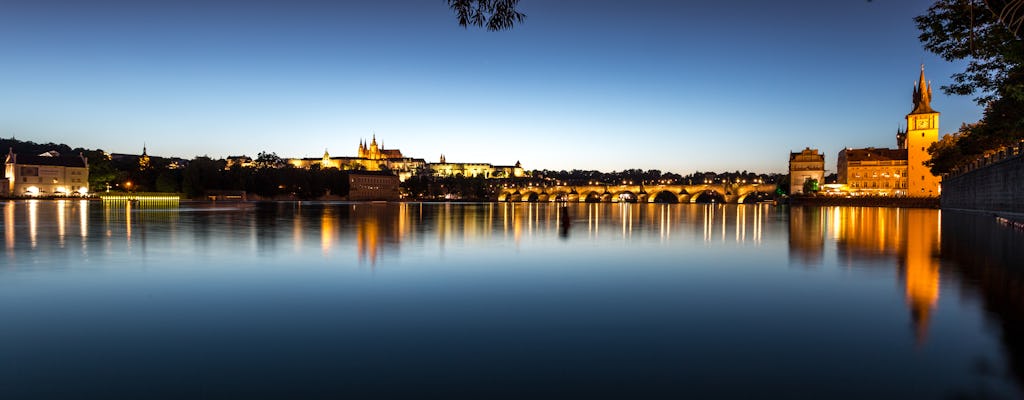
{"points": [[452, 188], [973, 31], [204, 174], [269, 178]]}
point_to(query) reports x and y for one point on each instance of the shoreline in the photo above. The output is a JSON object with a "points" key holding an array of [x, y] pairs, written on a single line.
{"points": [[893, 202]]}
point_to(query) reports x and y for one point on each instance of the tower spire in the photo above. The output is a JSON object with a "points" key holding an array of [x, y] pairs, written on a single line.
{"points": [[922, 95]]}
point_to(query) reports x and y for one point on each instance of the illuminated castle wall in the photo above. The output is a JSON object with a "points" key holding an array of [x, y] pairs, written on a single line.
{"points": [[374, 157]]}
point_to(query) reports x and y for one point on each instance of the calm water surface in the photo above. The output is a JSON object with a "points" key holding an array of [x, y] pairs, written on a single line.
{"points": [[507, 300]]}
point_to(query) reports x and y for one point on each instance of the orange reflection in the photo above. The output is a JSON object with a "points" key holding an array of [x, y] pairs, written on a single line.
{"points": [[807, 234], [61, 219], [910, 234], [326, 230], [9, 226], [33, 221], [83, 217], [922, 269]]}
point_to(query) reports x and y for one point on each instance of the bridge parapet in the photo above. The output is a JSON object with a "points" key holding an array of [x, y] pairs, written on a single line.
{"points": [[727, 192]]}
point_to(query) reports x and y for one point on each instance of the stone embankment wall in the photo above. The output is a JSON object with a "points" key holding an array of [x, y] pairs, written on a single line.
{"points": [[865, 201], [992, 183]]}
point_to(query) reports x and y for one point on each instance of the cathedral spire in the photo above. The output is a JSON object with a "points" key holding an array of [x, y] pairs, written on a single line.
{"points": [[922, 95]]}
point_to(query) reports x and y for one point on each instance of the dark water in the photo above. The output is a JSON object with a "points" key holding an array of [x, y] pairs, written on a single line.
{"points": [[500, 300]]}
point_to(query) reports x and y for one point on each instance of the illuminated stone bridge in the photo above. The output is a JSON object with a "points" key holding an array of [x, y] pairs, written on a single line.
{"points": [[712, 192]]}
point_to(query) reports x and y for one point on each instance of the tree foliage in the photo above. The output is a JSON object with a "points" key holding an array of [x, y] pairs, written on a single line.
{"points": [[494, 15], [970, 30], [979, 32]]}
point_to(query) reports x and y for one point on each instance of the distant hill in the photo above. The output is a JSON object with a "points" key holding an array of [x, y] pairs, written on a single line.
{"points": [[29, 147]]}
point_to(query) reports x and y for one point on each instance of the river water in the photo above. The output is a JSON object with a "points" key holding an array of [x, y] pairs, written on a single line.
{"points": [[492, 300]]}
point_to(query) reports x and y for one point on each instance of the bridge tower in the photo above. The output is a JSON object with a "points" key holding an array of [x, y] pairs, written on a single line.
{"points": [[922, 131]]}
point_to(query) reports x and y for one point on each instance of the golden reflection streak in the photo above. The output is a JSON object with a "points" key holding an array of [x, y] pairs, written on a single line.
{"points": [[725, 216], [297, 228], [708, 217], [326, 230], [517, 226], [33, 219], [9, 226], [61, 219], [83, 218], [922, 269], [739, 222], [367, 236], [128, 222], [663, 223], [914, 235], [623, 220], [758, 219]]}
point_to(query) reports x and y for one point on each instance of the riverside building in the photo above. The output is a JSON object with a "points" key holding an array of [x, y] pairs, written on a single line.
{"points": [[47, 174], [900, 171]]}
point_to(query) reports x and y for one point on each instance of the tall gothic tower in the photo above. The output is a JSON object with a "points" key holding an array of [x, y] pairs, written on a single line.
{"points": [[922, 131]]}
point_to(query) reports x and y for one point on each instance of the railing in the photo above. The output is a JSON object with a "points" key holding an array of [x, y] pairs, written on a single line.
{"points": [[140, 199], [991, 157]]}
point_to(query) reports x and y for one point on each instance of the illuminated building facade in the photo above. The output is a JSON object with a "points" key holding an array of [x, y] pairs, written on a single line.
{"points": [[48, 174], [372, 185], [808, 164], [899, 171], [874, 171], [469, 170], [243, 161], [922, 131]]}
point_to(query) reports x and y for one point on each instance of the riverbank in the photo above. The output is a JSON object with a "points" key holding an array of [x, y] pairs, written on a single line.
{"points": [[866, 201]]}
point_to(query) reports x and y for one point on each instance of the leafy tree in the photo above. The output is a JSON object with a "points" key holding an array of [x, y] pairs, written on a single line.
{"points": [[980, 32], [168, 180], [495, 15], [967, 30], [201, 175], [811, 185], [101, 171], [268, 160]]}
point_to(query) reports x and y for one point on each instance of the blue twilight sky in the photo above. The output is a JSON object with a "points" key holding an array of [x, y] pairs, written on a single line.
{"points": [[590, 84]]}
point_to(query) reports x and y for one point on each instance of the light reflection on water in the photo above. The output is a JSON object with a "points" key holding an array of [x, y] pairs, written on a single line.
{"points": [[500, 299]]}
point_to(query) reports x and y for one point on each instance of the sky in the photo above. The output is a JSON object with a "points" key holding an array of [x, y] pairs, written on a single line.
{"points": [[581, 84]]}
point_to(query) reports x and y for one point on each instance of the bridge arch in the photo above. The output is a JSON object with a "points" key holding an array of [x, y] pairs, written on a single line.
{"points": [[707, 196], [514, 196], [624, 196], [754, 197], [591, 197], [665, 196]]}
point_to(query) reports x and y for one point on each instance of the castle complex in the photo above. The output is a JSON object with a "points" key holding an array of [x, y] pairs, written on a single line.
{"points": [[374, 157]]}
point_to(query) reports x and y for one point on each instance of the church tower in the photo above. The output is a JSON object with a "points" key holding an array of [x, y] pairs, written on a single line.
{"points": [[374, 150], [143, 159], [922, 131]]}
